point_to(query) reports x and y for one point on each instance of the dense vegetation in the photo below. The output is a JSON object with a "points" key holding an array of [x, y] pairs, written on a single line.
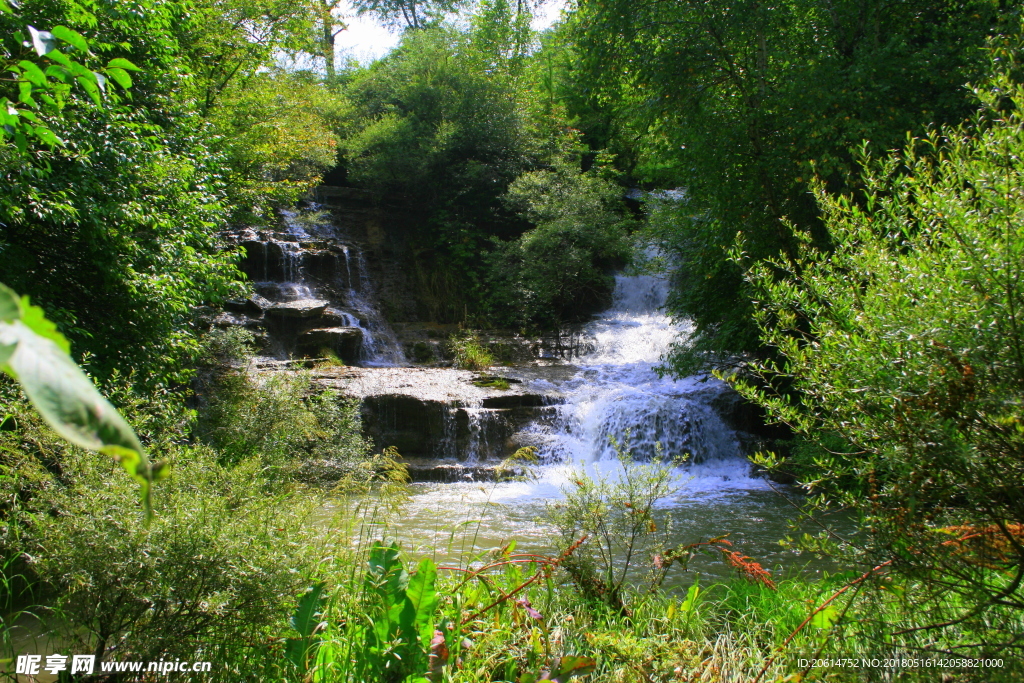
{"points": [[870, 299]]}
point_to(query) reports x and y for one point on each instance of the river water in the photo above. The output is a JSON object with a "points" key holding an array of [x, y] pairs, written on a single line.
{"points": [[612, 394]]}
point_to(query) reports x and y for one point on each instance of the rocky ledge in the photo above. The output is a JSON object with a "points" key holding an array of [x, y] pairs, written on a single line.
{"points": [[443, 416]]}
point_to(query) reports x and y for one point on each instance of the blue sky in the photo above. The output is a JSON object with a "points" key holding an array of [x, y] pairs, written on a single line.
{"points": [[366, 40]]}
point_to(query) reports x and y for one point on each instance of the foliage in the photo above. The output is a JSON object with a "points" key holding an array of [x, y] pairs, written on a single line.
{"points": [[741, 103], [212, 566], [225, 42], [437, 125], [279, 419], [35, 354], [902, 341], [468, 352], [614, 512], [275, 130], [407, 14], [560, 271], [49, 81]]}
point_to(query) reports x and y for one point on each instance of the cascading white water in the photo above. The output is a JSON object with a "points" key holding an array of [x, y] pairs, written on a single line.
{"points": [[616, 391], [380, 347], [617, 397]]}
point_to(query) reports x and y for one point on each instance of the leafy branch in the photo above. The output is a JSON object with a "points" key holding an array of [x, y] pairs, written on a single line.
{"points": [[35, 354]]}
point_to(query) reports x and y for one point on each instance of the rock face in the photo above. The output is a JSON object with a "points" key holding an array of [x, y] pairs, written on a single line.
{"points": [[438, 417], [345, 342], [303, 308], [313, 293]]}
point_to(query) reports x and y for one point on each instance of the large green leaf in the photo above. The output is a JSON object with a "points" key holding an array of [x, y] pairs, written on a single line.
{"points": [[122, 63], [421, 602], [34, 353], [71, 37], [305, 619]]}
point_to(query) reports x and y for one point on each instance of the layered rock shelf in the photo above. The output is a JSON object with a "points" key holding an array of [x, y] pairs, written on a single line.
{"points": [[444, 424]]}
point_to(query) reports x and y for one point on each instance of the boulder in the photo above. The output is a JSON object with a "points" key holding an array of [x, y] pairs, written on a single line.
{"points": [[303, 308]]}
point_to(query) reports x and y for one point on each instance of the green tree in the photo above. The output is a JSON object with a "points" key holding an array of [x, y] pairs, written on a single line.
{"points": [[407, 14], [116, 229], [902, 355], [436, 126], [275, 132], [740, 103], [560, 271]]}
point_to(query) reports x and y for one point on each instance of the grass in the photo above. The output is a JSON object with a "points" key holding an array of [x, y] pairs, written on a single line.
{"points": [[469, 353]]}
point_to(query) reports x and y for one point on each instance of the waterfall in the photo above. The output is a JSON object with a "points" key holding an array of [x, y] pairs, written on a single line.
{"points": [[618, 397], [314, 293]]}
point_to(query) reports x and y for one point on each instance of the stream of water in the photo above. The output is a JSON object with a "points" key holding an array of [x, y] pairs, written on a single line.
{"points": [[613, 395]]}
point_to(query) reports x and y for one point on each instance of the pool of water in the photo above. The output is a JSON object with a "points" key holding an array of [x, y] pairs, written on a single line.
{"points": [[458, 523]]}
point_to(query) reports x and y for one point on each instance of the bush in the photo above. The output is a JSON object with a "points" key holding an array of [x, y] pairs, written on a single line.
{"points": [[561, 270], [903, 344], [214, 567], [469, 353], [614, 513], [278, 418]]}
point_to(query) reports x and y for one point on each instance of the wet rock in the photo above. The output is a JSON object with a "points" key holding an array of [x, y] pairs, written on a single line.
{"points": [[253, 306], [440, 471], [228, 319], [344, 341], [303, 308], [446, 430], [514, 401], [335, 317], [259, 302]]}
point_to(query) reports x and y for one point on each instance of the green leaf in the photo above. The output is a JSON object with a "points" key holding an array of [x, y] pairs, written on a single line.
{"points": [[422, 602], [825, 618], [71, 37], [60, 58], [64, 396], [305, 619], [90, 87], [325, 657], [35, 319], [47, 136], [10, 306], [25, 93], [58, 72], [690, 603], [120, 77], [42, 41], [32, 72], [120, 63]]}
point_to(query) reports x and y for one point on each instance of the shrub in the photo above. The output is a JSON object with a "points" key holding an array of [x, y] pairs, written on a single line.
{"points": [[560, 271], [469, 353], [615, 513], [903, 343], [214, 565], [277, 417]]}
